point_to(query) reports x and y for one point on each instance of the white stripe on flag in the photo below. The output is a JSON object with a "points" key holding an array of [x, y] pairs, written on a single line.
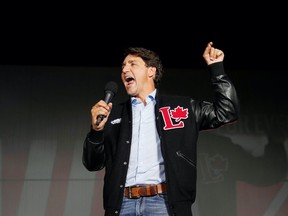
{"points": [[38, 178], [80, 187]]}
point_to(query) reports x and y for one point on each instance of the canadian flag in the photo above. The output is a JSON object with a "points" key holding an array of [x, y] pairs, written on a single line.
{"points": [[47, 178]]}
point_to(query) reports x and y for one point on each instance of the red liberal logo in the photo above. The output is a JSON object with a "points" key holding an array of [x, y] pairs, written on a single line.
{"points": [[177, 114]]}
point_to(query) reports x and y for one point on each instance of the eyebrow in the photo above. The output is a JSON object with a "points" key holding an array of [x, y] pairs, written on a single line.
{"points": [[129, 62]]}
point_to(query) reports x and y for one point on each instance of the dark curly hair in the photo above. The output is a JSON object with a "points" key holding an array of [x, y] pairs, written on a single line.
{"points": [[150, 58]]}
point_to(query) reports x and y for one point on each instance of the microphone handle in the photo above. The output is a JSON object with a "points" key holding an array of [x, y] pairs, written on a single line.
{"points": [[99, 119], [108, 98]]}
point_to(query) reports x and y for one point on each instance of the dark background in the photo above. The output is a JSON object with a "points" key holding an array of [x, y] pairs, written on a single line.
{"points": [[252, 37]]}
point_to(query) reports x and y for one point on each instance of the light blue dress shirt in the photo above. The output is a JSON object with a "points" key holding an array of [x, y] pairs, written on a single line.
{"points": [[146, 164]]}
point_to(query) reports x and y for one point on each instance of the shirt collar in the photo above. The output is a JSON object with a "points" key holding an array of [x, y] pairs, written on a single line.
{"points": [[151, 97]]}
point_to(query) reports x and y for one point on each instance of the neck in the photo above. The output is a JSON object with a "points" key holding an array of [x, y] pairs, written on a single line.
{"points": [[142, 96]]}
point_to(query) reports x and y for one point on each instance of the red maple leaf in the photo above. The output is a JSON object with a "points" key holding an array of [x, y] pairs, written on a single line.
{"points": [[179, 113]]}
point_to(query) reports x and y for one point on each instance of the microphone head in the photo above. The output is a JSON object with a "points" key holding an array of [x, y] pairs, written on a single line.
{"points": [[110, 91], [111, 87]]}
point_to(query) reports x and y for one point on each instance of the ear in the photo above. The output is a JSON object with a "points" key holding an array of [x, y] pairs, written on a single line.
{"points": [[152, 72]]}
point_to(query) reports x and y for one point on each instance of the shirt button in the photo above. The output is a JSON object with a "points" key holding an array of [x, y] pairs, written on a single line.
{"points": [[127, 141], [116, 212], [121, 186], [125, 163]]}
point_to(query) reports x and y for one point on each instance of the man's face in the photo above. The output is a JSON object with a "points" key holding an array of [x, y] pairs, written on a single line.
{"points": [[137, 77]]}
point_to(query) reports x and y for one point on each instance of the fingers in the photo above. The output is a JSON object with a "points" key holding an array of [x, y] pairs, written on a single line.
{"points": [[99, 113], [101, 108], [215, 53], [211, 53], [208, 48]]}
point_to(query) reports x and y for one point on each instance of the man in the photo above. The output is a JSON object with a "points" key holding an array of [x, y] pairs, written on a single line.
{"points": [[147, 144]]}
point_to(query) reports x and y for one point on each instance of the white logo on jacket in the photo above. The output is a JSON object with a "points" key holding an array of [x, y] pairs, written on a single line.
{"points": [[116, 121]]}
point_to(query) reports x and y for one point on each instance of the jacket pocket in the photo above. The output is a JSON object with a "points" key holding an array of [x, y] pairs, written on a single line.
{"points": [[187, 159]]}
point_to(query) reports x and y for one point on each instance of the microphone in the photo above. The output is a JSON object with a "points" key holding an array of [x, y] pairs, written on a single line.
{"points": [[109, 92]]}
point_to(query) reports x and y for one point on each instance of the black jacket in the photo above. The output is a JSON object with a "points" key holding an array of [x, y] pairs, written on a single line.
{"points": [[179, 120]]}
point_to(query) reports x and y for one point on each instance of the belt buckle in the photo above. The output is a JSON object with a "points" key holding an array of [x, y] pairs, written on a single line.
{"points": [[130, 193]]}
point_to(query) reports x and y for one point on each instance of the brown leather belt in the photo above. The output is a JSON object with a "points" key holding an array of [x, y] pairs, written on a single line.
{"points": [[143, 191]]}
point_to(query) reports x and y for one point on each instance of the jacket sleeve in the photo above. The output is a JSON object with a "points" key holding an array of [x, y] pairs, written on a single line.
{"points": [[225, 106], [93, 156]]}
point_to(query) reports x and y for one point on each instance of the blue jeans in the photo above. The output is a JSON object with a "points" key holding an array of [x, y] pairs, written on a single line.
{"points": [[147, 206]]}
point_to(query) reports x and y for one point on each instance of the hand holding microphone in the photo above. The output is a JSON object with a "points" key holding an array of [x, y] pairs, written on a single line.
{"points": [[109, 92]]}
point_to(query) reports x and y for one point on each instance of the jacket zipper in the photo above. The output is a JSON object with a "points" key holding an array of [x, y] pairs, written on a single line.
{"points": [[180, 154]]}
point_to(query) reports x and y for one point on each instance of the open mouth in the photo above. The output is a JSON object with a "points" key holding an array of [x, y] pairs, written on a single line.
{"points": [[129, 80]]}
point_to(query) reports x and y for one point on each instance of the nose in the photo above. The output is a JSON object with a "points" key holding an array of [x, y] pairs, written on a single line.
{"points": [[125, 69], [123, 73]]}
